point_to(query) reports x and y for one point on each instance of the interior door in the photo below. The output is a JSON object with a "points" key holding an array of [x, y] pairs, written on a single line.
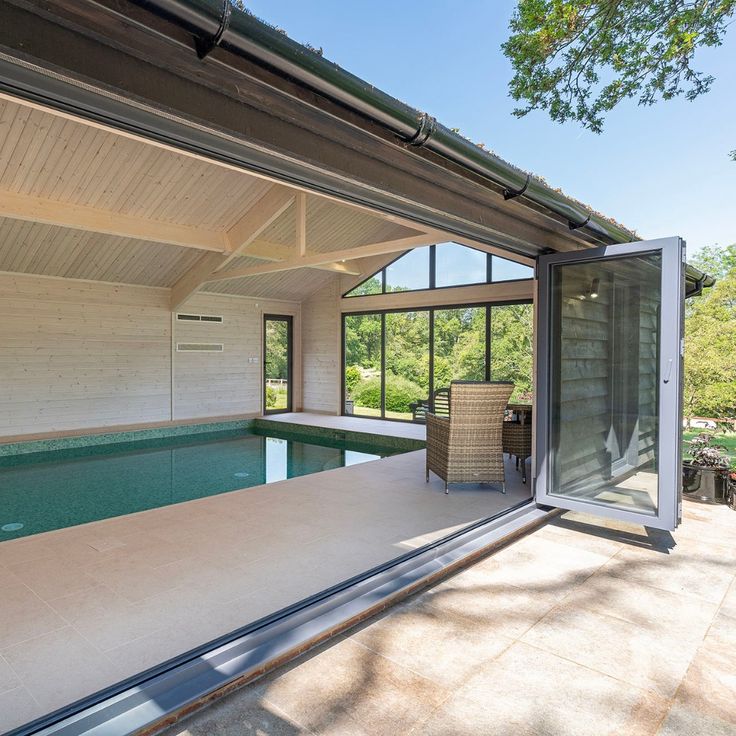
{"points": [[277, 363], [609, 417]]}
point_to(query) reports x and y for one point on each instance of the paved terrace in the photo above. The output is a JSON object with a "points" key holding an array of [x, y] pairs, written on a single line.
{"points": [[87, 606], [579, 628]]}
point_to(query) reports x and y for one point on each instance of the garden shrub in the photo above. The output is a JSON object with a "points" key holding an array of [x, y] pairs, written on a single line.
{"points": [[400, 393], [367, 393], [352, 378]]}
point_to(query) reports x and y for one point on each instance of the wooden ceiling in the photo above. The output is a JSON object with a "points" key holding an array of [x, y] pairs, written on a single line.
{"points": [[83, 202]]}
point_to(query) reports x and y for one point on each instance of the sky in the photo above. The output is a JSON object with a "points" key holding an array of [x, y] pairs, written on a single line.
{"points": [[661, 170]]}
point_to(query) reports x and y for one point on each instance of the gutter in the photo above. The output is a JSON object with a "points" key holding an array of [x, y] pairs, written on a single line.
{"points": [[216, 23], [696, 281]]}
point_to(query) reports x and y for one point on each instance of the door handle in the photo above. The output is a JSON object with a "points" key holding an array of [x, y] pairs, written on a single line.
{"points": [[668, 371]]}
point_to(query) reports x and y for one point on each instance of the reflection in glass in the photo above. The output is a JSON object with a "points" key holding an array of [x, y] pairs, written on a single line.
{"points": [[407, 362], [409, 272], [459, 345], [363, 364], [457, 265], [604, 382], [504, 270]]}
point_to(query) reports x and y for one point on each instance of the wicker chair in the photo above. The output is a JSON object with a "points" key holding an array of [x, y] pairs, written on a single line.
{"points": [[517, 441], [467, 446], [438, 404]]}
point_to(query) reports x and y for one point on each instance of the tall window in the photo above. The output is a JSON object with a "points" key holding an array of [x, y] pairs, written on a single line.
{"points": [[395, 360], [459, 345], [438, 266], [406, 378], [512, 339], [363, 363]]}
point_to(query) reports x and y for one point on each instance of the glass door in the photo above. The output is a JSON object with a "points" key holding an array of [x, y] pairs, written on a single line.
{"points": [[277, 363], [610, 364]]}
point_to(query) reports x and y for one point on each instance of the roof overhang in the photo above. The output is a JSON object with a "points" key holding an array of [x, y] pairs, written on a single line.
{"points": [[235, 109], [246, 107]]}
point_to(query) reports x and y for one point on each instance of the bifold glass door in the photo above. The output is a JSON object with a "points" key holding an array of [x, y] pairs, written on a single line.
{"points": [[609, 400]]}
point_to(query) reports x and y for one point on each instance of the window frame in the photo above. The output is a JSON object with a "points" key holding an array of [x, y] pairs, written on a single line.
{"points": [[487, 305], [381, 273]]}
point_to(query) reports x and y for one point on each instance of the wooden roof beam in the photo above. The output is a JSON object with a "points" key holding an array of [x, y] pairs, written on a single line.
{"points": [[243, 233], [92, 219], [301, 223], [264, 250], [314, 260]]}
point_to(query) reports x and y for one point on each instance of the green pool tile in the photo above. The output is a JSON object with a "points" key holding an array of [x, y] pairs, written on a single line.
{"points": [[113, 438]]}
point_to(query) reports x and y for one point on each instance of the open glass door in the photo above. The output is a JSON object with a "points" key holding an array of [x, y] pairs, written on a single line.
{"points": [[277, 360], [610, 364]]}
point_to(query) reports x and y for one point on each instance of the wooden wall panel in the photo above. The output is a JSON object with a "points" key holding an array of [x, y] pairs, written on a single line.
{"points": [[77, 355], [321, 349], [219, 384]]}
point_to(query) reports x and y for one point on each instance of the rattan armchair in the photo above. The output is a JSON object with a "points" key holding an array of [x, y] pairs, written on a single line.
{"points": [[466, 447]]}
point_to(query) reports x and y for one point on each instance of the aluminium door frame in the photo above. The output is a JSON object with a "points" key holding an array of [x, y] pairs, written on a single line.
{"points": [[670, 374], [289, 319]]}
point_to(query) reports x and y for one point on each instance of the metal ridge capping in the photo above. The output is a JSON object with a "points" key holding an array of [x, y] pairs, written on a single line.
{"points": [[217, 23]]}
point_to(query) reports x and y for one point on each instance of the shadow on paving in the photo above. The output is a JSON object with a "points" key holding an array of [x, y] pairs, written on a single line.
{"points": [[364, 691]]}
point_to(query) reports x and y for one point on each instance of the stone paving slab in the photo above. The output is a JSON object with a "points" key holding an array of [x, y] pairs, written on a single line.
{"points": [[583, 627]]}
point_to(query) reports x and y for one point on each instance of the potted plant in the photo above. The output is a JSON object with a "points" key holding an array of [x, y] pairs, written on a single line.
{"points": [[706, 476]]}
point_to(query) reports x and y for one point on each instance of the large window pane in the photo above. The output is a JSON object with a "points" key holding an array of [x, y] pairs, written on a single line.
{"points": [[457, 265], [363, 364], [459, 345], [604, 380], [410, 272], [504, 270], [512, 329], [407, 362]]}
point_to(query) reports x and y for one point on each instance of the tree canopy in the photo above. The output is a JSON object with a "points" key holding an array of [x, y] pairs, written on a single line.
{"points": [[578, 59], [710, 339]]}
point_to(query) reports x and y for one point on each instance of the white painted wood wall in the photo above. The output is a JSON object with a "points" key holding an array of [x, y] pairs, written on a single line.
{"points": [[321, 356], [76, 354]]}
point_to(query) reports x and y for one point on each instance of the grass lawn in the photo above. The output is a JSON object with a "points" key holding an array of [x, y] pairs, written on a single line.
{"points": [[364, 411], [727, 439], [277, 397]]}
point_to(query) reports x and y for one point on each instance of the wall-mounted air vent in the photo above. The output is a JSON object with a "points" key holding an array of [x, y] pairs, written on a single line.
{"points": [[199, 347], [199, 318]]}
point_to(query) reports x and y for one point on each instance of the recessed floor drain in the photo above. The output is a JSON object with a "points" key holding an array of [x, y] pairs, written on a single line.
{"points": [[11, 527]]}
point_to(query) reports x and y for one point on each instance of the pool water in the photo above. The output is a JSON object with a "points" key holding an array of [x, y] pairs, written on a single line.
{"points": [[53, 490]]}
